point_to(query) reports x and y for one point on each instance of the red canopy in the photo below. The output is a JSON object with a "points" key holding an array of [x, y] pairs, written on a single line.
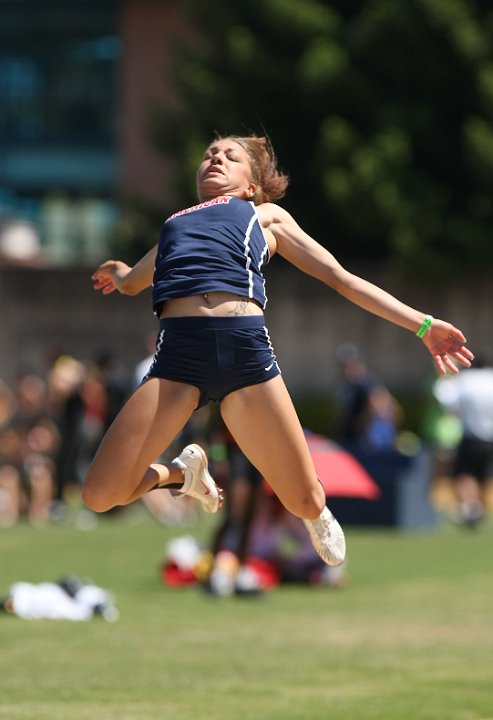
{"points": [[339, 472]]}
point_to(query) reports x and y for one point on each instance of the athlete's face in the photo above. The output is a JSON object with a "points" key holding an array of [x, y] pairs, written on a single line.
{"points": [[225, 169]]}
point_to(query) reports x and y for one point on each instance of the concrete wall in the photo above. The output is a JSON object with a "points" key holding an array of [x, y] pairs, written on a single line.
{"points": [[49, 311], [46, 312]]}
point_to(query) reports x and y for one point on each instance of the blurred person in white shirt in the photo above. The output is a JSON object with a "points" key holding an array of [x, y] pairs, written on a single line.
{"points": [[470, 397]]}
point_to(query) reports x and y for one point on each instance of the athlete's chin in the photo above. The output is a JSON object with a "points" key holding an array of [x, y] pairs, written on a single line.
{"points": [[212, 191], [207, 190]]}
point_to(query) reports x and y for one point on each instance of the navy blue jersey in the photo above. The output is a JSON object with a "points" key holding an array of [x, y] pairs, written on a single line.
{"points": [[217, 245]]}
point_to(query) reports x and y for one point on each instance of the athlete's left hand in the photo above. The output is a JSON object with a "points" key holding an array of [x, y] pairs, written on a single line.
{"points": [[446, 344]]}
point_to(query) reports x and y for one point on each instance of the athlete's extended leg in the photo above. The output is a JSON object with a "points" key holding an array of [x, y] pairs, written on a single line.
{"points": [[264, 423], [151, 418]]}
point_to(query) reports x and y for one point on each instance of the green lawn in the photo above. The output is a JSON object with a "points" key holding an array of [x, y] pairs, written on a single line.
{"points": [[409, 638]]}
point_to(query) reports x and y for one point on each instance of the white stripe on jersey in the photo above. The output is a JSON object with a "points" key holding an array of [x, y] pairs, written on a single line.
{"points": [[265, 252], [247, 254]]}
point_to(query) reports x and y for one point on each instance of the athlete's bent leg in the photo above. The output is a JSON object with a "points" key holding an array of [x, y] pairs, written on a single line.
{"points": [[152, 417], [264, 423]]}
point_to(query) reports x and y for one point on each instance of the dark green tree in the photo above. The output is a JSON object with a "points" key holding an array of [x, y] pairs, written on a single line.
{"points": [[380, 111]]}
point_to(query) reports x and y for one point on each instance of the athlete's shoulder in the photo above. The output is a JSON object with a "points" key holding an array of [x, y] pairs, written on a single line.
{"points": [[270, 214]]}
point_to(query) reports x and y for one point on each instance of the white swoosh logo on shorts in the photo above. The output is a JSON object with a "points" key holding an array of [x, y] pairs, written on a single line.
{"points": [[268, 368]]}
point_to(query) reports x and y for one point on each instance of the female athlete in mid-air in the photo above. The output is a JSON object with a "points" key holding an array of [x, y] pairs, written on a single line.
{"points": [[209, 294]]}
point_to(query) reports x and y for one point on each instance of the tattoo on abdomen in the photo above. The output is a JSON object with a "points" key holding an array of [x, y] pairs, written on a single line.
{"points": [[240, 307]]}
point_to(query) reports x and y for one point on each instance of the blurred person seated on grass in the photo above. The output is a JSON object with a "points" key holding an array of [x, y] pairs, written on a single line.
{"points": [[278, 552], [242, 484], [278, 537]]}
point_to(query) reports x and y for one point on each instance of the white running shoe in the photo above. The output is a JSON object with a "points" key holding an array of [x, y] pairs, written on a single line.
{"points": [[198, 482], [327, 538]]}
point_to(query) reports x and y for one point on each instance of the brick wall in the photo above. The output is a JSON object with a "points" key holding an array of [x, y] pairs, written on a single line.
{"points": [[48, 311]]}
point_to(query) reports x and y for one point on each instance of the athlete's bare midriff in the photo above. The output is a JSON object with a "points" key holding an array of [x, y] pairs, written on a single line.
{"points": [[214, 304]]}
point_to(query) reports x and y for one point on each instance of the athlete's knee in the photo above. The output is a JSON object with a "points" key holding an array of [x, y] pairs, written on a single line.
{"points": [[309, 503], [96, 497]]}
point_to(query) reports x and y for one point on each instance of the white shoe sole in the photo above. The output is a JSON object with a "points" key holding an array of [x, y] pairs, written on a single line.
{"points": [[212, 499], [333, 550]]}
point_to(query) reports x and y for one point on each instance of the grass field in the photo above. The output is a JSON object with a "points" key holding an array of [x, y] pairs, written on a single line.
{"points": [[409, 638]]}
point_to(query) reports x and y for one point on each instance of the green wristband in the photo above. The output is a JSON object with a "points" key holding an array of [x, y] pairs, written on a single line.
{"points": [[425, 326]]}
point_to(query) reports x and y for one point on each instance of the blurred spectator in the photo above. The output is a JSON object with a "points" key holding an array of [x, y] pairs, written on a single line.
{"points": [[116, 382], [49, 431], [94, 415], [279, 538], [9, 492], [20, 244], [470, 397], [442, 432], [7, 404], [64, 381], [84, 399], [231, 541], [28, 442], [368, 413]]}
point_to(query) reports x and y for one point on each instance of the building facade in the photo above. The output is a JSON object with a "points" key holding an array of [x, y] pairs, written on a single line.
{"points": [[78, 80]]}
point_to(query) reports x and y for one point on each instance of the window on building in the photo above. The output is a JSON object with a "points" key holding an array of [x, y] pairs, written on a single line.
{"points": [[59, 65]]}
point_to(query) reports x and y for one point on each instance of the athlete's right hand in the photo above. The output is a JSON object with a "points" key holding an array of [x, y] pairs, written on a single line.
{"points": [[110, 276]]}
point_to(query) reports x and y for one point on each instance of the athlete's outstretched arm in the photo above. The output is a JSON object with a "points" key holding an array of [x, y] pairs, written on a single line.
{"points": [[116, 275], [444, 341]]}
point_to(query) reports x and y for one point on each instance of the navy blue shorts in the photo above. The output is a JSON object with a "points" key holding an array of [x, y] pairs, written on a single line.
{"points": [[215, 354]]}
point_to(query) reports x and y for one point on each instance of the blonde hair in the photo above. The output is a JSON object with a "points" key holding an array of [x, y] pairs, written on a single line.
{"points": [[271, 183]]}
